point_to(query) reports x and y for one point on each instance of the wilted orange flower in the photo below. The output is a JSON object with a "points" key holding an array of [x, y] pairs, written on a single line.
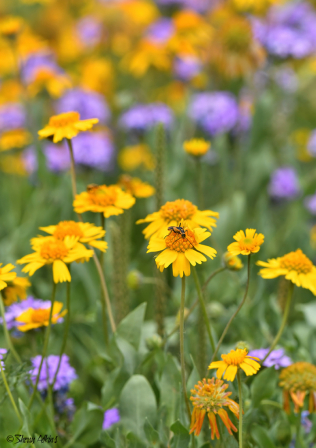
{"points": [[246, 244], [233, 361], [297, 381], [210, 397]]}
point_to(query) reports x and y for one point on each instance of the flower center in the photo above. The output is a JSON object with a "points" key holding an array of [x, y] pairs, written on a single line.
{"points": [[103, 195], [235, 357], [66, 119], [177, 210], [67, 228], [175, 241], [297, 261], [210, 393], [54, 250], [40, 315], [299, 376]]}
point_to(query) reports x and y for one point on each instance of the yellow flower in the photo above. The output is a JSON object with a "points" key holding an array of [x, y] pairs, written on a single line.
{"points": [[172, 213], [232, 262], [236, 359], [140, 13], [14, 138], [10, 26], [313, 237], [246, 244], [181, 251], [209, 397], [35, 318], [85, 232], [98, 75], [298, 380], [133, 157], [66, 125], [50, 81], [6, 275], [13, 164], [109, 200], [300, 139], [295, 267], [58, 253], [15, 290], [196, 147], [136, 187], [257, 7]]}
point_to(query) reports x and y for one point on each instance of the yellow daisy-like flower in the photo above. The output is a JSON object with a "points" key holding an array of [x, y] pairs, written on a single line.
{"points": [[136, 187], [210, 397], [58, 253], [295, 267], [66, 125], [10, 26], [181, 251], [110, 200], [172, 213], [196, 147], [15, 290], [297, 381], [36, 318], [14, 138], [246, 244], [232, 262], [6, 275], [136, 156], [13, 164], [50, 81], [85, 232], [300, 138], [236, 359]]}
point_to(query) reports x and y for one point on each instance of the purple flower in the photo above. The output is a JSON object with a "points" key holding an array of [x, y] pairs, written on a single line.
{"points": [[89, 104], [12, 116], [64, 404], [310, 203], [311, 145], [111, 416], [286, 78], [277, 358], [187, 67], [30, 159], [306, 423], [288, 30], [66, 373], [160, 31], [146, 116], [18, 308], [216, 112], [284, 183], [92, 149], [89, 31]]}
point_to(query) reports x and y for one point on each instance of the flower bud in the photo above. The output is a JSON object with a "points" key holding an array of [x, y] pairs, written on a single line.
{"points": [[134, 279], [243, 345], [154, 341], [232, 262]]}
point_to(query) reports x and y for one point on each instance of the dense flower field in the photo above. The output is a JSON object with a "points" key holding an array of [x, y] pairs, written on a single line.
{"points": [[158, 223]]}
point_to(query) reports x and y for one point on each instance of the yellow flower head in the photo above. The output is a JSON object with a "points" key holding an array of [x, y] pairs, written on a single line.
{"points": [[137, 156], [298, 380], [14, 138], [232, 262], [300, 138], [181, 251], [209, 397], [110, 200], [13, 164], [232, 362], [246, 244], [6, 275], [196, 147], [172, 213], [50, 81], [15, 290], [59, 253], [295, 267], [66, 125], [98, 74], [136, 187], [10, 26], [85, 232], [35, 318], [257, 7]]}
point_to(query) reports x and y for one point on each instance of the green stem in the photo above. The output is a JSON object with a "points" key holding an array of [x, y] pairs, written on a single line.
{"points": [[235, 313], [10, 395], [182, 347], [46, 340], [6, 332], [284, 320], [199, 183], [203, 308], [240, 407], [72, 168], [298, 429]]}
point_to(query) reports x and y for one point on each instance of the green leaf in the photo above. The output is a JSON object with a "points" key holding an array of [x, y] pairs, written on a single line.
{"points": [[169, 389], [131, 326], [27, 427], [106, 440], [134, 441], [261, 437], [151, 434], [113, 386], [181, 438], [137, 401], [87, 423], [309, 311], [263, 386]]}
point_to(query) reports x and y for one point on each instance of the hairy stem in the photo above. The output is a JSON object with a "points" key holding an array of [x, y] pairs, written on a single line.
{"points": [[72, 168], [9, 394], [182, 347], [240, 407]]}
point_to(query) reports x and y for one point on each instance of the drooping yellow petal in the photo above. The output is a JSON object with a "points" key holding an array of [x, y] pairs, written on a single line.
{"points": [[60, 272]]}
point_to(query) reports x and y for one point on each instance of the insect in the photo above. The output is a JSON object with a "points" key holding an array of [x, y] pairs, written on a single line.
{"points": [[92, 187], [180, 231]]}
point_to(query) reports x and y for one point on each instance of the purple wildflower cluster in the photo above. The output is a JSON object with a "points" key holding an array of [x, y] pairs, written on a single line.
{"points": [[12, 116], [160, 31], [146, 116], [288, 30], [66, 373], [111, 416], [284, 184], [187, 67], [89, 31], [277, 358]]}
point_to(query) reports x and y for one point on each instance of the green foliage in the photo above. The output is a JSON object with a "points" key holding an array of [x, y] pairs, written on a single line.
{"points": [[263, 385], [181, 436]]}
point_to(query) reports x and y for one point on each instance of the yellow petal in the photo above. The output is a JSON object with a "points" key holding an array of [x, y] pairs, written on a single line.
{"points": [[166, 257], [194, 257], [60, 272], [207, 250]]}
